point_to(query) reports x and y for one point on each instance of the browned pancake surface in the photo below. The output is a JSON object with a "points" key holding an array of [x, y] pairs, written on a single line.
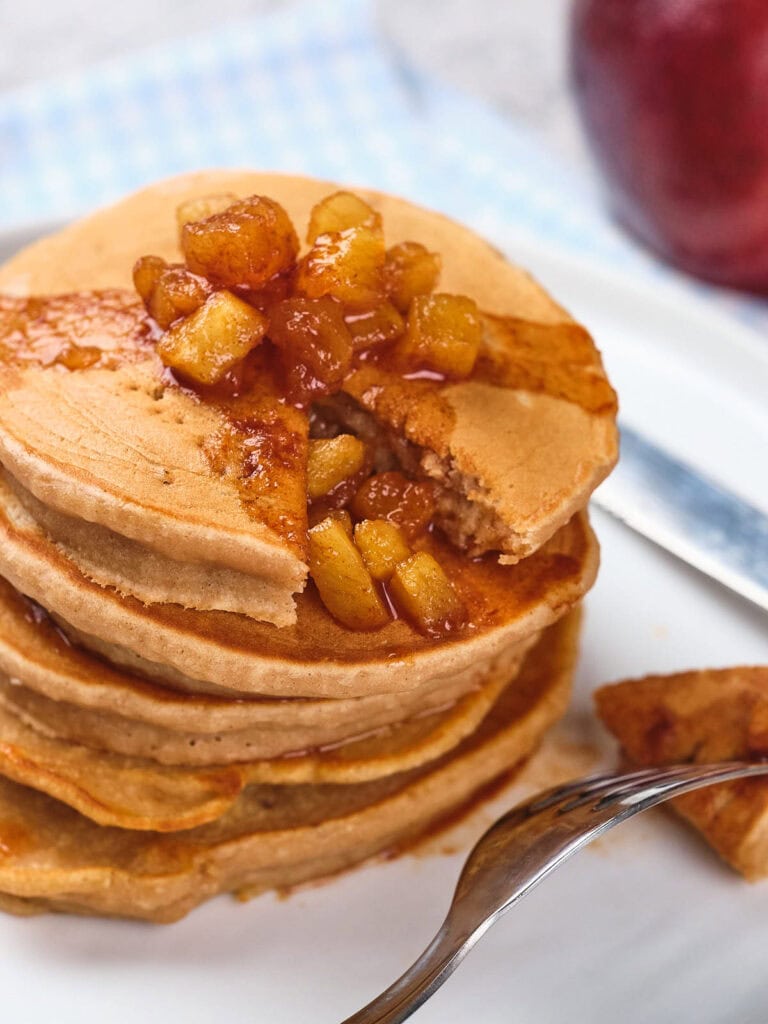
{"points": [[272, 836], [706, 716], [530, 436]]}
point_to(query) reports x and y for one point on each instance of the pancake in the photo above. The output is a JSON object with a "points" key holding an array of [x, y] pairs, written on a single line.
{"points": [[52, 858], [317, 657], [138, 793], [113, 438], [703, 717], [111, 560], [515, 451], [148, 720]]}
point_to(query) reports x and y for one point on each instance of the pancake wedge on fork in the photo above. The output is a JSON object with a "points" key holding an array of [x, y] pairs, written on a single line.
{"points": [[293, 535]]}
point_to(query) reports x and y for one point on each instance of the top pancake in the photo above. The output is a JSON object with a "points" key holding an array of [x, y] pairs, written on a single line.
{"points": [[530, 438]]}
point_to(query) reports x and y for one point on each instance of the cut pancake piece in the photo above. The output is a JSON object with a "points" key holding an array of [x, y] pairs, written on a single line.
{"points": [[703, 717], [53, 858], [137, 793], [515, 451], [147, 720], [508, 603], [111, 560], [508, 488], [117, 445]]}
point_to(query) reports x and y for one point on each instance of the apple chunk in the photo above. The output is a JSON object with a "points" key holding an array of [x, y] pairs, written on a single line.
{"points": [[443, 334], [382, 546], [332, 460], [345, 586], [345, 265], [246, 244], [410, 270], [423, 593], [207, 344], [338, 212]]}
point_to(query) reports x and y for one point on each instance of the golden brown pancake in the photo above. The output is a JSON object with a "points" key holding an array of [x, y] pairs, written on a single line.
{"points": [[138, 793], [317, 657], [515, 451], [147, 720], [53, 858], [702, 717], [109, 559], [111, 444]]}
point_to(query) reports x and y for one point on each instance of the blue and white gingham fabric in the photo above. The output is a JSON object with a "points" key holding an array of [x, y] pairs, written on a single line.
{"points": [[312, 89]]}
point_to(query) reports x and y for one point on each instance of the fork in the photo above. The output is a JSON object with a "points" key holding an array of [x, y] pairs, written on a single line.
{"points": [[520, 850]]}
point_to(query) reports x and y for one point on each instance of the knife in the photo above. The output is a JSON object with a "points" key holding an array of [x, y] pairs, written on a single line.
{"points": [[690, 515]]}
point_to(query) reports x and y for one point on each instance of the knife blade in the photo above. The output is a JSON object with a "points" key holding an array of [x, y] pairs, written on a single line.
{"points": [[689, 514]]}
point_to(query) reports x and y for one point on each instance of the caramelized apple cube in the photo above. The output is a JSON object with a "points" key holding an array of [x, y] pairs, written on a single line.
{"points": [[382, 546], [346, 265], [315, 346], [331, 461], [206, 345], [245, 245], [203, 207], [179, 293], [410, 504], [423, 593], [340, 515], [344, 584], [410, 270], [443, 334], [146, 273], [374, 327], [168, 292], [338, 212], [317, 513]]}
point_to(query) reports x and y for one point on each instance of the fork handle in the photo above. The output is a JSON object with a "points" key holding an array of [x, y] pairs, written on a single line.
{"points": [[438, 961]]}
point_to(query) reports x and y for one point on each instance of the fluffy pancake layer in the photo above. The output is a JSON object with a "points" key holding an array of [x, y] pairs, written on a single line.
{"points": [[519, 449], [316, 657], [37, 749], [86, 698], [111, 444], [55, 859]]}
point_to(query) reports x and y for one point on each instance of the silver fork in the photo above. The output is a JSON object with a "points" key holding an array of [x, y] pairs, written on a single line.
{"points": [[521, 849]]}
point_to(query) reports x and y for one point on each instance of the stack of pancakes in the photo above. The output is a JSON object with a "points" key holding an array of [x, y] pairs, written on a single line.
{"points": [[179, 713]]}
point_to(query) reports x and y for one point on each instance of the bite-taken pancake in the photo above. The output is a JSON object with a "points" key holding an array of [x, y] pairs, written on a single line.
{"points": [[513, 441], [52, 858], [703, 717]]}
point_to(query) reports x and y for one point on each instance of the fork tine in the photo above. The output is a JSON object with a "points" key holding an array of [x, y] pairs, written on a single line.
{"points": [[624, 784], [588, 786]]}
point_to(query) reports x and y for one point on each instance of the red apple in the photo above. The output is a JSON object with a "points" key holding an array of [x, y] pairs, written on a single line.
{"points": [[674, 98]]}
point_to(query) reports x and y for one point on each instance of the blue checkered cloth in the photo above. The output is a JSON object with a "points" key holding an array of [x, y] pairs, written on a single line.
{"points": [[311, 89]]}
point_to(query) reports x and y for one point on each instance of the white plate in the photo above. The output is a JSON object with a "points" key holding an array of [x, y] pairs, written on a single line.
{"points": [[646, 926]]}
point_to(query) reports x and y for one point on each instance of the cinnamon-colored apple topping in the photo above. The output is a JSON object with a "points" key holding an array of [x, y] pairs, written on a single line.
{"points": [[314, 319]]}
